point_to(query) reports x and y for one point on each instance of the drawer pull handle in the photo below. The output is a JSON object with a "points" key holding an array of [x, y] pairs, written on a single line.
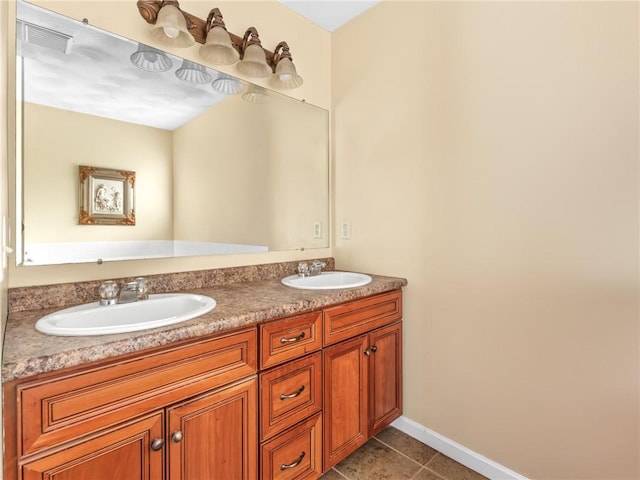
{"points": [[176, 437], [292, 339], [285, 466], [284, 396], [157, 444]]}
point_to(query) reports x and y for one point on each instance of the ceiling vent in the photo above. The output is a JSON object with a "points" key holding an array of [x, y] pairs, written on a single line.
{"points": [[33, 34]]}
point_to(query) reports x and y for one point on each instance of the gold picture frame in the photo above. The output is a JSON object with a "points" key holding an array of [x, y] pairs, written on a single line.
{"points": [[106, 196]]}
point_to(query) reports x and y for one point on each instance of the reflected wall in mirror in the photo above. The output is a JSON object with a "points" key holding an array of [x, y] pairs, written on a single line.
{"points": [[216, 173]]}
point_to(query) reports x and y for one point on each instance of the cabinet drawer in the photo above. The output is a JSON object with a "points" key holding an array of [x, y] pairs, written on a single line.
{"points": [[289, 394], [55, 410], [290, 338], [357, 317], [295, 454]]}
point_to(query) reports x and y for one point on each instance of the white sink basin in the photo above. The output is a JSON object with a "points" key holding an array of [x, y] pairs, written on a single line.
{"points": [[94, 319], [327, 281]]}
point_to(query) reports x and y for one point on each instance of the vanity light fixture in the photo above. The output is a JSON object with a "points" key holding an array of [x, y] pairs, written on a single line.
{"points": [[253, 62], [284, 71], [193, 73], [227, 85], [256, 94], [219, 46], [149, 59], [170, 29]]}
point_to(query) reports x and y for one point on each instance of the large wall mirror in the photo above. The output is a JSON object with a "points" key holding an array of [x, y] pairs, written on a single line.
{"points": [[221, 166]]}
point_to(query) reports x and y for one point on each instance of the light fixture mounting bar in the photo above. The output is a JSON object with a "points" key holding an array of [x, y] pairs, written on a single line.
{"points": [[197, 27]]}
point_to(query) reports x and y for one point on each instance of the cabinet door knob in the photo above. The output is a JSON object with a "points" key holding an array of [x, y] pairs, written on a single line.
{"points": [[367, 352], [176, 437], [292, 339], [157, 444], [284, 396], [285, 466], [374, 349]]}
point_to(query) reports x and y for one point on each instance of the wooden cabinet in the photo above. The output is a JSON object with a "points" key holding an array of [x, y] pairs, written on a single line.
{"points": [[285, 400], [291, 398], [359, 387], [362, 375], [210, 437], [170, 409], [67, 406]]}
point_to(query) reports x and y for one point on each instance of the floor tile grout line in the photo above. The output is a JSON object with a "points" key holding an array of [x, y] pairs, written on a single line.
{"points": [[428, 470], [416, 474], [404, 455], [432, 459], [431, 470], [437, 474], [340, 473]]}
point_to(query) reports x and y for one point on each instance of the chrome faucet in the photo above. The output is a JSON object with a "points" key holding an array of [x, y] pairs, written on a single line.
{"points": [[303, 269], [312, 270], [129, 292], [316, 267]]}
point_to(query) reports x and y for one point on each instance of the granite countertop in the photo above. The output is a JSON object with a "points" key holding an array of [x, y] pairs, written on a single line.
{"points": [[28, 352]]}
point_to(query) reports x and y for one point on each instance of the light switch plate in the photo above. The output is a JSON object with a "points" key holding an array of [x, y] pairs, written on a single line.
{"points": [[345, 230]]}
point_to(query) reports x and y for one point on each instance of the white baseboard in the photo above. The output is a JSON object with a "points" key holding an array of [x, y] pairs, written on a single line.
{"points": [[459, 453]]}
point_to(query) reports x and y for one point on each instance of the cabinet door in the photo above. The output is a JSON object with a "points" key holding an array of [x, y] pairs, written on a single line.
{"points": [[122, 454], [215, 437], [385, 376], [345, 399]]}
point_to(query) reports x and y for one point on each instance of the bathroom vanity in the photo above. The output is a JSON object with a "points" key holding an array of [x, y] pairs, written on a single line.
{"points": [[275, 383]]}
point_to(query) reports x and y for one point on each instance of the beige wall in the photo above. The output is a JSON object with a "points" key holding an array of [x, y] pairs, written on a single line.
{"points": [[219, 157], [6, 107], [310, 47], [7, 131], [488, 151], [296, 175], [51, 159]]}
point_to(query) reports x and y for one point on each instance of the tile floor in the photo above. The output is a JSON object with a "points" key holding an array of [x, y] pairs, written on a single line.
{"points": [[393, 455]]}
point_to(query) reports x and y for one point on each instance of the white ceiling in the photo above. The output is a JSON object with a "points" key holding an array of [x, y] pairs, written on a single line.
{"points": [[329, 14]]}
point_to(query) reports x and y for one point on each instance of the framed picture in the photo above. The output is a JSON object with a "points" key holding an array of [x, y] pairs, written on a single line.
{"points": [[106, 196]]}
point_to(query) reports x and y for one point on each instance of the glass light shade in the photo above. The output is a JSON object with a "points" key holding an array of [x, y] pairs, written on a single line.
{"points": [[227, 85], [149, 59], [254, 62], [171, 28], [286, 76], [193, 73], [218, 48], [255, 94]]}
